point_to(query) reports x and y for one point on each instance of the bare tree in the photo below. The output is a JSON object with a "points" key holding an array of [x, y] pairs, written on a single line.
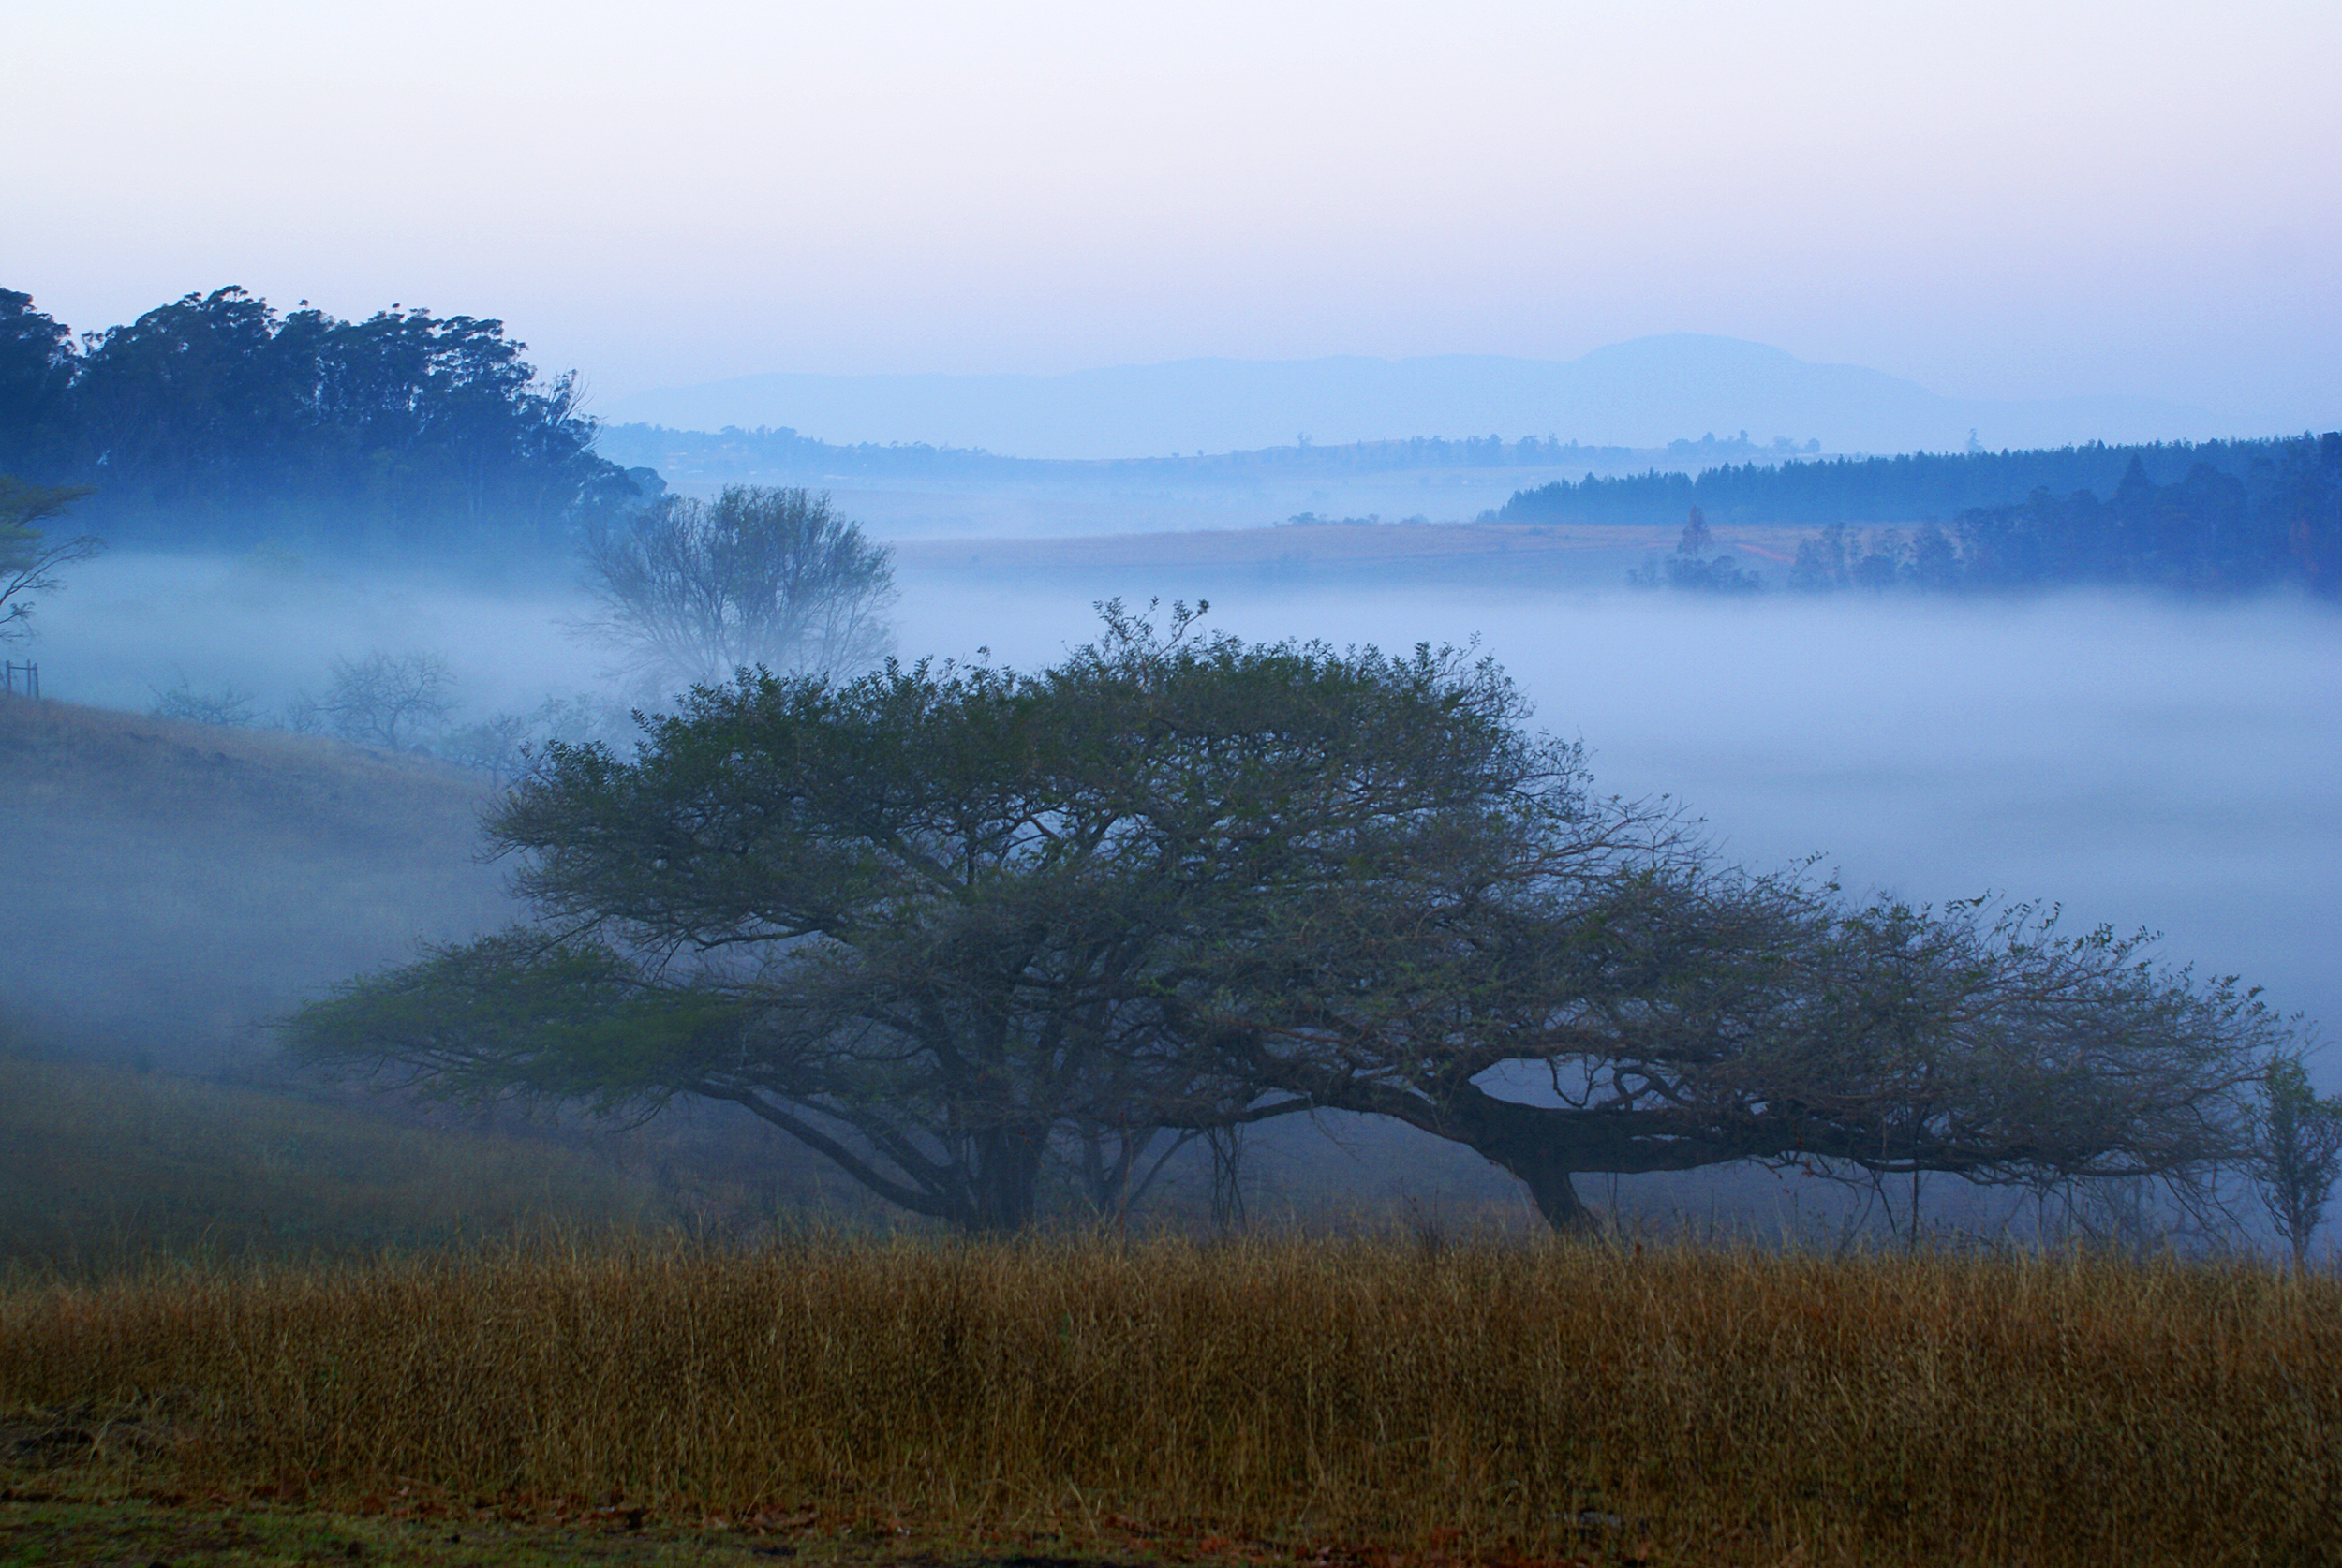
{"points": [[691, 592], [225, 708], [386, 699], [497, 746], [28, 562]]}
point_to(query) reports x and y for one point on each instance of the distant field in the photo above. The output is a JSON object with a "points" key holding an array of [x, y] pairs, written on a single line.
{"points": [[1521, 554], [1422, 1401]]}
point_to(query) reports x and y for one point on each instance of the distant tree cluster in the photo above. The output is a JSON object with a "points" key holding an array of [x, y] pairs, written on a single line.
{"points": [[408, 703], [2208, 531], [214, 418], [1692, 567], [769, 452], [1911, 488]]}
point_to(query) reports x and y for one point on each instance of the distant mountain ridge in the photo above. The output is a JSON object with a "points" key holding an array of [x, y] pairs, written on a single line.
{"points": [[1644, 392]]}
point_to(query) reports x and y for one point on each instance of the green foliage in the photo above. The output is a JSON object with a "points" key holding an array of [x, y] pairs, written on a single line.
{"points": [[941, 923], [935, 921], [2298, 1153], [213, 418]]}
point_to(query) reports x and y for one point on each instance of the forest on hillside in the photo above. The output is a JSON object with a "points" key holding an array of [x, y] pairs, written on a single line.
{"points": [[2222, 517], [216, 420], [1912, 487]]}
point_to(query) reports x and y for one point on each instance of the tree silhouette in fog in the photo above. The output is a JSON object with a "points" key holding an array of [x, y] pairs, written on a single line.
{"points": [[691, 592]]}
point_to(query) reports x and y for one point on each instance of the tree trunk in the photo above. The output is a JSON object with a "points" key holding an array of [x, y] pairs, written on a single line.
{"points": [[1557, 1199], [1008, 1177], [1512, 1135]]}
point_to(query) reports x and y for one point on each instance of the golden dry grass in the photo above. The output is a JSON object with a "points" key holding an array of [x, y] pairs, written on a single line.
{"points": [[1478, 1402], [103, 1168]]}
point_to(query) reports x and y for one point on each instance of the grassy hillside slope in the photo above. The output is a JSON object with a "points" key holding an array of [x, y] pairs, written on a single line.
{"points": [[172, 886]]}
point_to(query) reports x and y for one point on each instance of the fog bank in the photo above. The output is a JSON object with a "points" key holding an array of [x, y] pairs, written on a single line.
{"points": [[2141, 761]]}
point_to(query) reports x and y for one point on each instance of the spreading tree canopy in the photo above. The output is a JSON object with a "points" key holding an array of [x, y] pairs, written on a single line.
{"points": [[944, 924]]}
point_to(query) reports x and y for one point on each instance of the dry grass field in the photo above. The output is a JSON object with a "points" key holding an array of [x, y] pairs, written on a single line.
{"points": [[1363, 1401], [103, 1168], [1519, 554]]}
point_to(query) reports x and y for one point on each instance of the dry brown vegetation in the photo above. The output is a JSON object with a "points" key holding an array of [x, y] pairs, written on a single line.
{"points": [[102, 1168], [1394, 1400]]}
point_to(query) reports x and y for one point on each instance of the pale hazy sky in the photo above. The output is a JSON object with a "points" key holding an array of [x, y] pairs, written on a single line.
{"points": [[2001, 200]]}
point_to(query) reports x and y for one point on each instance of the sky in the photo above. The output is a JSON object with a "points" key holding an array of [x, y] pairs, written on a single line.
{"points": [[1995, 199]]}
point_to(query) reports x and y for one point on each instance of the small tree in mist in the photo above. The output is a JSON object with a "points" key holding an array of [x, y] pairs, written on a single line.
{"points": [[225, 708], [1692, 569], [28, 560], [690, 591], [497, 746], [386, 699], [2298, 1154]]}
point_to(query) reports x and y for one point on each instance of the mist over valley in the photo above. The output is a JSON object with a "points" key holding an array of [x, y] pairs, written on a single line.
{"points": [[1491, 786], [2139, 760]]}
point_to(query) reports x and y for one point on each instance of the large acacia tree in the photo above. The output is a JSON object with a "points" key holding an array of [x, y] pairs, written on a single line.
{"points": [[936, 922], [1684, 1014]]}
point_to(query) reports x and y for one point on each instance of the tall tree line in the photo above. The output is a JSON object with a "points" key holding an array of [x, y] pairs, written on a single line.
{"points": [[217, 420], [1910, 488], [2214, 516]]}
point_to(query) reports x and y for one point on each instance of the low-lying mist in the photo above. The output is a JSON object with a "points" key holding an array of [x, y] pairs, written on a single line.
{"points": [[2141, 762]]}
